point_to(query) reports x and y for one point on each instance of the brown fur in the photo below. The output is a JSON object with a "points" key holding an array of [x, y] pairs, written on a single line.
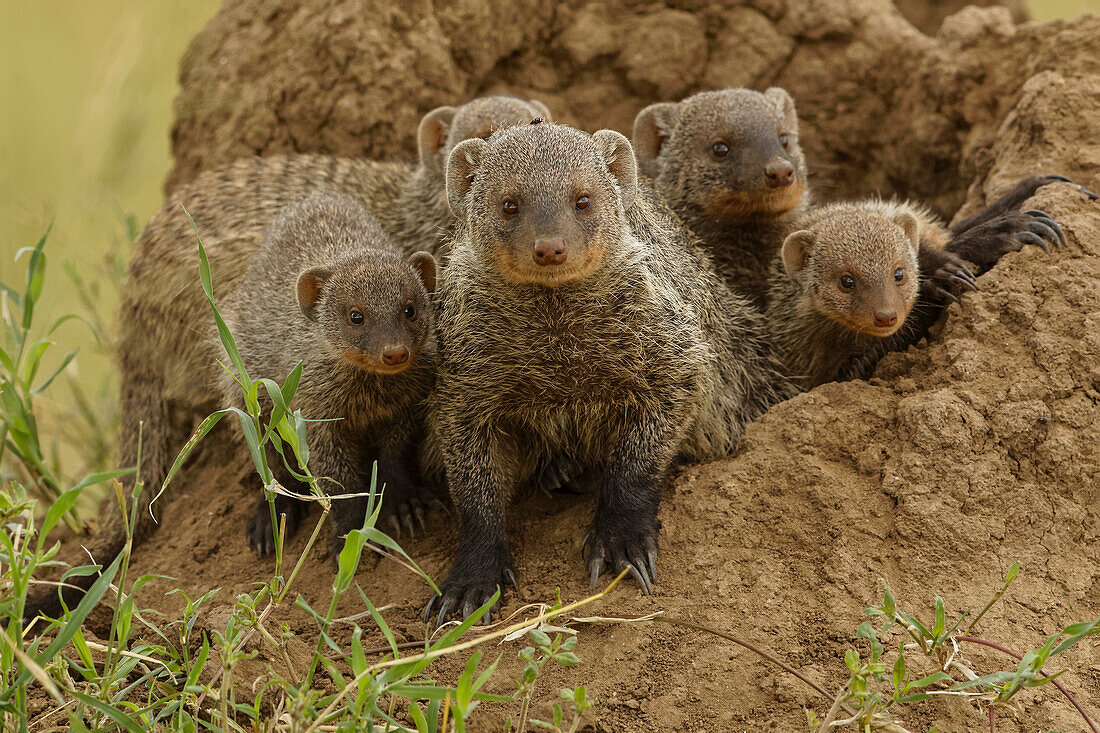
{"points": [[634, 355], [727, 201], [824, 331], [324, 262]]}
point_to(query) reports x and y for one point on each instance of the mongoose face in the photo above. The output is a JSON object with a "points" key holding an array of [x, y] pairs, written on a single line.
{"points": [[543, 203], [373, 307], [445, 127], [858, 268], [731, 154]]}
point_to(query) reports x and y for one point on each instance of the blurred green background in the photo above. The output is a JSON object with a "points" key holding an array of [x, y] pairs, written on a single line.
{"points": [[86, 90]]}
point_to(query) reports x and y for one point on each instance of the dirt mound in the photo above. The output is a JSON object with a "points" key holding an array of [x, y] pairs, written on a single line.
{"points": [[977, 450]]}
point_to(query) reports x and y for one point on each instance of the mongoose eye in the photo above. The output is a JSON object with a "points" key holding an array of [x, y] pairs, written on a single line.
{"points": [[720, 150], [356, 318], [509, 207], [410, 311], [847, 282], [582, 203], [899, 275], [784, 140]]}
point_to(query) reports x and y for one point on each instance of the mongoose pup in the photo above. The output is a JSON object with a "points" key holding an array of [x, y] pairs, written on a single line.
{"points": [[578, 318], [729, 164], [848, 286], [327, 288], [171, 376]]}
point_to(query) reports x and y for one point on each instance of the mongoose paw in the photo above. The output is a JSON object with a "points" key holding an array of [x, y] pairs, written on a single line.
{"points": [[405, 516], [559, 474], [984, 244], [258, 528], [616, 548], [947, 271], [466, 592]]}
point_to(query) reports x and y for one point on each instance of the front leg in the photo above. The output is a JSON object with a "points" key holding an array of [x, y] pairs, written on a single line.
{"points": [[481, 480], [1011, 202], [405, 497], [623, 534], [338, 456]]}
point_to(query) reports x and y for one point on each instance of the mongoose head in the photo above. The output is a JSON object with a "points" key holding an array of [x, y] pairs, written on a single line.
{"points": [[544, 203], [728, 155], [373, 307], [445, 127], [858, 267]]}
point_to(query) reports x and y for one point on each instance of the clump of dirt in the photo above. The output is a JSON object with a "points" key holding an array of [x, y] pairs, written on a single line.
{"points": [[976, 450]]}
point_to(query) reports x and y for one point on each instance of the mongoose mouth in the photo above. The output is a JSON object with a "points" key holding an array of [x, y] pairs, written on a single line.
{"points": [[867, 327], [519, 271], [735, 204], [375, 365]]}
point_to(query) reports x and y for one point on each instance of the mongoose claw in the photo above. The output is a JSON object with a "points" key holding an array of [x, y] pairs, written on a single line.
{"points": [[418, 510], [595, 567], [465, 592], [1028, 237], [395, 526], [1054, 177], [610, 549], [407, 521], [1051, 229], [968, 282]]}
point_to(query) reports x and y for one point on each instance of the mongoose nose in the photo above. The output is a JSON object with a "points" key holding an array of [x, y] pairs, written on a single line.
{"points": [[395, 355], [885, 319], [779, 174], [550, 251]]}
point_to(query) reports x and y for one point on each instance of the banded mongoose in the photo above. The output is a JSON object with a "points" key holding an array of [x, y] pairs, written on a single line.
{"points": [[578, 317], [848, 285], [729, 164], [327, 288], [171, 376]]}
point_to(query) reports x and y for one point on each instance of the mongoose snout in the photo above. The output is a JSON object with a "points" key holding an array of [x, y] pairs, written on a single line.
{"points": [[886, 320], [550, 251], [395, 355], [779, 173]]}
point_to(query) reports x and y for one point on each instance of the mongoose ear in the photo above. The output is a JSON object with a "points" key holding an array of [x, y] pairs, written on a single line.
{"points": [[426, 269], [785, 104], [652, 127], [619, 156], [461, 166], [432, 135], [909, 223], [795, 249], [543, 110], [310, 283]]}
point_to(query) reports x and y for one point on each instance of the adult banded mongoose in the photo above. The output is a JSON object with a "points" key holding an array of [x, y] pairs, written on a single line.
{"points": [[848, 287], [729, 164], [327, 288], [578, 317]]}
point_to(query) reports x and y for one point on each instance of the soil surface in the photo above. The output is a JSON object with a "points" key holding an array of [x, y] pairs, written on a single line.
{"points": [[966, 454]]}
